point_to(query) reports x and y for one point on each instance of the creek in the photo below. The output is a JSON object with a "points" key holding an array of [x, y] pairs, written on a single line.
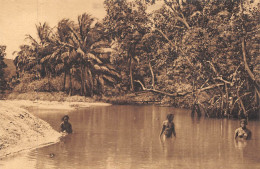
{"points": [[127, 137]]}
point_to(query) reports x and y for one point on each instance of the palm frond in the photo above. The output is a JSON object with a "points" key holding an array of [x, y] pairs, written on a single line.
{"points": [[103, 50], [97, 67], [101, 81], [65, 55], [44, 59], [99, 44], [76, 36], [90, 56], [109, 79], [34, 42], [80, 51]]}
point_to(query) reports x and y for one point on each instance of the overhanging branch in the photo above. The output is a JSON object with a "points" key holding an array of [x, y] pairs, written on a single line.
{"points": [[178, 94]]}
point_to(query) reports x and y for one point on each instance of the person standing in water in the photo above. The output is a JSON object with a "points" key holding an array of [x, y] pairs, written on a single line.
{"points": [[242, 131], [65, 125], [168, 128]]}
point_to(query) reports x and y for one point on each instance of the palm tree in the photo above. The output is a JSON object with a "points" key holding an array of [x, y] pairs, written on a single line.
{"points": [[88, 46], [63, 52], [23, 59], [75, 49], [39, 48]]}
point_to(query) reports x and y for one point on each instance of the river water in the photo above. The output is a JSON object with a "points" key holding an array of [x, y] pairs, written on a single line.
{"points": [[127, 137]]}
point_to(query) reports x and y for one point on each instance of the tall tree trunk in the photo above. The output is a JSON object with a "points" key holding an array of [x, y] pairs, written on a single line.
{"points": [[222, 105], [227, 102], [151, 69], [64, 80], [250, 73], [241, 103], [87, 86], [70, 83], [101, 84], [82, 80], [91, 83], [131, 74], [49, 83], [256, 98]]}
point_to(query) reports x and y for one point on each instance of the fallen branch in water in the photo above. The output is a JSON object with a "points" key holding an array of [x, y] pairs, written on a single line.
{"points": [[178, 94]]}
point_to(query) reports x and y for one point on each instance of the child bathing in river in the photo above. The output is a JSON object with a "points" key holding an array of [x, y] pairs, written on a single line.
{"points": [[65, 125], [242, 131], [168, 128]]}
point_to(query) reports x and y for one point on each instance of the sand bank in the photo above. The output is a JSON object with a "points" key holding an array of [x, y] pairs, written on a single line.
{"points": [[20, 130], [52, 104]]}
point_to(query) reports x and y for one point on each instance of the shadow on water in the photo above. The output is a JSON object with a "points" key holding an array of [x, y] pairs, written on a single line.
{"points": [[195, 119]]}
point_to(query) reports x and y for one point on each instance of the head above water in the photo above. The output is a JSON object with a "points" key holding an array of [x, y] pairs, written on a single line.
{"points": [[170, 117], [243, 123], [65, 118]]}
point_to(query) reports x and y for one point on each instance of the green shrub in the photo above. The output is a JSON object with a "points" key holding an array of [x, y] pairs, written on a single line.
{"points": [[43, 85]]}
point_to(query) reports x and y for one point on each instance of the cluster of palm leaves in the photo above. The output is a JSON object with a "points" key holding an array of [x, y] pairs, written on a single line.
{"points": [[79, 51]]}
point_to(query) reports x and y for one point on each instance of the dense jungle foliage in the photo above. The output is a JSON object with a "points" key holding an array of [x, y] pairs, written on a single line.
{"points": [[201, 49], [3, 83]]}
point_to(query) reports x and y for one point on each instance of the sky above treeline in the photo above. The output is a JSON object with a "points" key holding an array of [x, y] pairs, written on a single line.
{"points": [[19, 17]]}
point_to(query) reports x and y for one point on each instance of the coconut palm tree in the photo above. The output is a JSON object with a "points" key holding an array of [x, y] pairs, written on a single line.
{"points": [[63, 53], [88, 41], [29, 57], [81, 48]]}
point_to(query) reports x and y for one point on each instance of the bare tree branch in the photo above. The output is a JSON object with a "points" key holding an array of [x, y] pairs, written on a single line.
{"points": [[250, 73], [177, 94]]}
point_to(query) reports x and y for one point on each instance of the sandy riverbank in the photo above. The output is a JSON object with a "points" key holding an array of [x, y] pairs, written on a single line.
{"points": [[55, 105], [20, 130]]}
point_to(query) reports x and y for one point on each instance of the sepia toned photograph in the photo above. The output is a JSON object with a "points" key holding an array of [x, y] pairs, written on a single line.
{"points": [[129, 84]]}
